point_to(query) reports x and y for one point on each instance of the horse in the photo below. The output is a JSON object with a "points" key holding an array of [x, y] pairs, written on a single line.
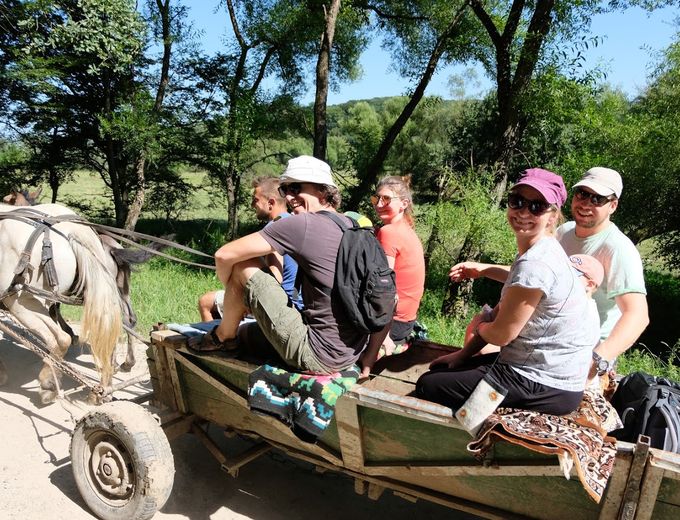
{"points": [[119, 262], [79, 261]]}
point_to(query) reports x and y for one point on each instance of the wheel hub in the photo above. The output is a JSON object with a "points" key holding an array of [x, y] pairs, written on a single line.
{"points": [[109, 466]]}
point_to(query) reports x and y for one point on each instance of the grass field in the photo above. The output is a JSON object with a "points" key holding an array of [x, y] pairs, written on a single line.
{"points": [[163, 291]]}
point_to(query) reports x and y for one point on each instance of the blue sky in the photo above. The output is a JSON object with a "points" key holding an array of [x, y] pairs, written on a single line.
{"points": [[631, 40]]}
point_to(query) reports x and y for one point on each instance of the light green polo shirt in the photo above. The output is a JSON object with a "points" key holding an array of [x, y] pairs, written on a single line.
{"points": [[622, 268]]}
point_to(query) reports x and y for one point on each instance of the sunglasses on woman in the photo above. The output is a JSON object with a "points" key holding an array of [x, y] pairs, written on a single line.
{"points": [[594, 198], [293, 189], [535, 207], [385, 199]]}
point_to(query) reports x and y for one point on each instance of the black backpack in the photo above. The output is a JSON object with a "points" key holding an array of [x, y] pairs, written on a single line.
{"points": [[650, 406], [364, 281]]}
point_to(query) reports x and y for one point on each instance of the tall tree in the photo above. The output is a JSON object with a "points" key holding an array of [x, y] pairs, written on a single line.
{"points": [[163, 16], [323, 65], [425, 33], [84, 84], [275, 41]]}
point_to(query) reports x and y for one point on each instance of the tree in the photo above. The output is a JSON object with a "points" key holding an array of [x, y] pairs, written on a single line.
{"points": [[426, 32], [81, 90], [652, 174]]}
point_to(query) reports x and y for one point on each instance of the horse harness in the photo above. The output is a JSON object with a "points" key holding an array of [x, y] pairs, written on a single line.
{"points": [[43, 224]]}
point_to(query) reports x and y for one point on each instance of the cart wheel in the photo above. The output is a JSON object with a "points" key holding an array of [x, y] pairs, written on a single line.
{"points": [[122, 461]]}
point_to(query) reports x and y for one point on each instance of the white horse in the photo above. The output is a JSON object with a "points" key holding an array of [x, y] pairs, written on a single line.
{"points": [[80, 262]]}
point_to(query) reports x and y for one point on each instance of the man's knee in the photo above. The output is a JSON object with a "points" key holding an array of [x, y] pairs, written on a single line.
{"points": [[207, 300], [243, 271]]}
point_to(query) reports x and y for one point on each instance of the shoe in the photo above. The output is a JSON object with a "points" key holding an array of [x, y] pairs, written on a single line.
{"points": [[211, 343]]}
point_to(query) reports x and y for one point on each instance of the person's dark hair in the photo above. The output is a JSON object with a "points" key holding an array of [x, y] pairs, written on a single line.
{"points": [[331, 195], [402, 187], [269, 186]]}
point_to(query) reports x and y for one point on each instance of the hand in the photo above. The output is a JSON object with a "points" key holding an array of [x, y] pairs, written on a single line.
{"points": [[452, 360], [465, 270]]}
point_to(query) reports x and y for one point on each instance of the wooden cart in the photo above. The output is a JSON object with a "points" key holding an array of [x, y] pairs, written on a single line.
{"points": [[380, 436], [387, 440]]}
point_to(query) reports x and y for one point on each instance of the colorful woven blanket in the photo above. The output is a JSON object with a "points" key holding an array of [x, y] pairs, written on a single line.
{"points": [[305, 402], [579, 438]]}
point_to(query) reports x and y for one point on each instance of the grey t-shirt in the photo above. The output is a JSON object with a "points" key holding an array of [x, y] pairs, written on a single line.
{"points": [[313, 241], [555, 346]]}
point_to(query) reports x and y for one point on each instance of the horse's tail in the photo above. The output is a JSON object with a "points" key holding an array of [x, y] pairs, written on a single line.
{"points": [[102, 306]]}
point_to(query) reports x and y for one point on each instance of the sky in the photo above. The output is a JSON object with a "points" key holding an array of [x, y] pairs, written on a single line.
{"points": [[631, 40]]}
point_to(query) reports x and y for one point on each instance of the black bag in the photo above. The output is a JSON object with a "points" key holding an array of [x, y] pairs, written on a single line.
{"points": [[650, 406], [364, 281]]}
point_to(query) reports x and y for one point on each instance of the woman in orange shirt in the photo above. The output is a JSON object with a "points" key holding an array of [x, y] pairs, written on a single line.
{"points": [[393, 204]]}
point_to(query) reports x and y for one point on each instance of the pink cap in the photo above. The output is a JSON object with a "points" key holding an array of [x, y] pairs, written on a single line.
{"points": [[589, 266], [548, 184]]}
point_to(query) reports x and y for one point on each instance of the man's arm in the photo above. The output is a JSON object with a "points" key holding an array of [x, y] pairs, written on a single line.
{"points": [[370, 353], [250, 246], [633, 321]]}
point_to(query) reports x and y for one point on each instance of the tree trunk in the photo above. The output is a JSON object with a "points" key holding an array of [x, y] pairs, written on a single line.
{"points": [[374, 168], [458, 293], [135, 209], [509, 92], [323, 65], [138, 202]]}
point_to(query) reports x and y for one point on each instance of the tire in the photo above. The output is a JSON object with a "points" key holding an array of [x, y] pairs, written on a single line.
{"points": [[122, 462]]}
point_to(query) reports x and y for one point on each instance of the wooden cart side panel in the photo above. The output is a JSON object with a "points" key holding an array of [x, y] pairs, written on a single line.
{"points": [[666, 503], [208, 397], [383, 437]]}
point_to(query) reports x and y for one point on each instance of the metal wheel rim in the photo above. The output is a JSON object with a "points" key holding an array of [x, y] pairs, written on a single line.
{"points": [[109, 468]]}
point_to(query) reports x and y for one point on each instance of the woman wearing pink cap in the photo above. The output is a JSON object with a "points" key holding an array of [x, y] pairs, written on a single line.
{"points": [[540, 323]]}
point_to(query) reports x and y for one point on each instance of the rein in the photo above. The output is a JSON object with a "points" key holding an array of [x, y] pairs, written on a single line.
{"points": [[31, 216], [44, 223]]}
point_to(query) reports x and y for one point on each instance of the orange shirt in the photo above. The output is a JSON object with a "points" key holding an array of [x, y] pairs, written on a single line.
{"points": [[400, 241]]}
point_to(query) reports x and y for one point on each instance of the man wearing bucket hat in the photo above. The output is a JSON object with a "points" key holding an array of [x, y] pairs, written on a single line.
{"points": [[621, 297], [320, 338]]}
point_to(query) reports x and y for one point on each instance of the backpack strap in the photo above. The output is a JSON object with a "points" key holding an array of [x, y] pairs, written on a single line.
{"points": [[669, 412], [333, 215], [343, 227]]}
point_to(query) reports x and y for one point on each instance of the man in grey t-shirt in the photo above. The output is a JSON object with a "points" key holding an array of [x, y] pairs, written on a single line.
{"points": [[320, 338]]}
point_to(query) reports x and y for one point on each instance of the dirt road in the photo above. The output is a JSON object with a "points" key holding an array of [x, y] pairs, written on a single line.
{"points": [[36, 480]]}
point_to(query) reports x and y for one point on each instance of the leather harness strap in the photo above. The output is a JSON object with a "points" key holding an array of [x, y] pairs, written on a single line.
{"points": [[43, 224]]}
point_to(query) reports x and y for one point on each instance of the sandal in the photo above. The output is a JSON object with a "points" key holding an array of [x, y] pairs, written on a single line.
{"points": [[211, 343], [399, 348]]}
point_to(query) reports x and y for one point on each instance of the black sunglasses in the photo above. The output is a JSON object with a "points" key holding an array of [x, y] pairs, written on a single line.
{"points": [[535, 207], [594, 198], [293, 189]]}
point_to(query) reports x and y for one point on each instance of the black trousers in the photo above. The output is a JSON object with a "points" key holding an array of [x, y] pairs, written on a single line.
{"points": [[452, 387]]}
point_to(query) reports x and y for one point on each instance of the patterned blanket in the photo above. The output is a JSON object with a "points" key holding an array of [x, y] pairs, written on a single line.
{"points": [[579, 438], [305, 402]]}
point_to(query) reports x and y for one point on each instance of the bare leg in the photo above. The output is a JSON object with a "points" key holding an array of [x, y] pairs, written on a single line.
{"points": [[234, 308], [206, 306], [370, 354]]}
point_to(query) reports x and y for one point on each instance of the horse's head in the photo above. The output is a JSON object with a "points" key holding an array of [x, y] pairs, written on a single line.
{"points": [[22, 197]]}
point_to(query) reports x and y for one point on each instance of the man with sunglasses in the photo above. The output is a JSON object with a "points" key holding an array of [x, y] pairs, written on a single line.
{"points": [[318, 339], [621, 298], [269, 207]]}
